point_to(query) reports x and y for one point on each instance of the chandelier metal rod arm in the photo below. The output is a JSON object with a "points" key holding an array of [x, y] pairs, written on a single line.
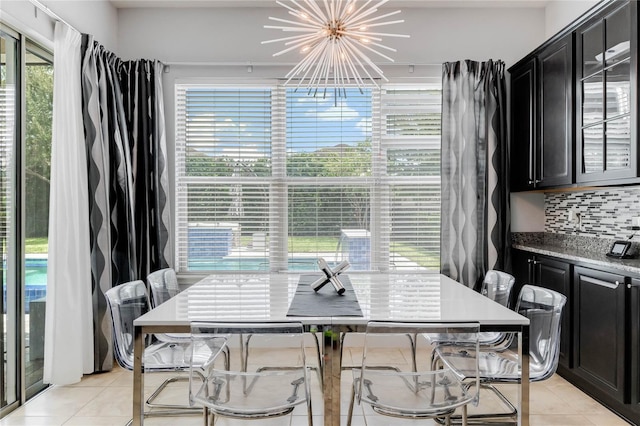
{"points": [[363, 45], [376, 18], [365, 58], [313, 5], [383, 47], [313, 39], [297, 13], [328, 64], [366, 33], [351, 34], [300, 24], [295, 46], [378, 24], [305, 64], [291, 29], [329, 10], [358, 16], [356, 13], [354, 72], [311, 13], [354, 53], [320, 67], [304, 17], [288, 39]]}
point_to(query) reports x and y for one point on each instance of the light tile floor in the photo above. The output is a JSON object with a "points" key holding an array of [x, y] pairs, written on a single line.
{"points": [[105, 400]]}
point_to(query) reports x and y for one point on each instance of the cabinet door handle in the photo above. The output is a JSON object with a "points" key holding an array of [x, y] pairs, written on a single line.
{"points": [[600, 282], [631, 285]]}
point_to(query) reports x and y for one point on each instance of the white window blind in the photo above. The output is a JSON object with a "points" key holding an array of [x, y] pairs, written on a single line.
{"points": [[411, 118], [223, 172], [271, 179], [328, 174]]}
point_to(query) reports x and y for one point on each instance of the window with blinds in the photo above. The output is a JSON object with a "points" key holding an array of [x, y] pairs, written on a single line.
{"points": [[269, 178]]}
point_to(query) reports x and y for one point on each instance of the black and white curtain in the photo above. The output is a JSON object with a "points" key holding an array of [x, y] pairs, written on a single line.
{"points": [[128, 183], [475, 232]]}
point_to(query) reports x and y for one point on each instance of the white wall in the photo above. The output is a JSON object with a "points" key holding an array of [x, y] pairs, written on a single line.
{"points": [[97, 17], [527, 212], [235, 34], [560, 13]]}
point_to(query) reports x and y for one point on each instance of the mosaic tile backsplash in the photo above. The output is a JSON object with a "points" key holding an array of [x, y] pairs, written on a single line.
{"points": [[603, 213]]}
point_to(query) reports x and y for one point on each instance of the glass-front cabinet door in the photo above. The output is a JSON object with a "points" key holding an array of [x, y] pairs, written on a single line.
{"points": [[606, 123]]}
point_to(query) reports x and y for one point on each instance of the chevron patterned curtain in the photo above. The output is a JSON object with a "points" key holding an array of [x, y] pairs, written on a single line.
{"points": [[475, 231], [128, 178]]}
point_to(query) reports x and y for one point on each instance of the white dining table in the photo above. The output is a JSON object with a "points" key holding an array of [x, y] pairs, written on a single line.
{"points": [[381, 296]]}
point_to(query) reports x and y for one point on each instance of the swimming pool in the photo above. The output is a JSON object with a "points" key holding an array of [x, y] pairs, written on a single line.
{"points": [[251, 264], [35, 274]]}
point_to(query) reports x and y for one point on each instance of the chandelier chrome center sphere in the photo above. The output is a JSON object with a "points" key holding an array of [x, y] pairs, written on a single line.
{"points": [[334, 41]]}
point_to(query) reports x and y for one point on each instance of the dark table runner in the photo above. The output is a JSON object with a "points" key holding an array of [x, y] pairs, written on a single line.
{"points": [[326, 302]]}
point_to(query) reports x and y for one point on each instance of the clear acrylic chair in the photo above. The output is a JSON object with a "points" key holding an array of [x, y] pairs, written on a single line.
{"points": [[275, 389], [497, 286], [422, 393], [163, 285], [544, 309], [126, 303]]}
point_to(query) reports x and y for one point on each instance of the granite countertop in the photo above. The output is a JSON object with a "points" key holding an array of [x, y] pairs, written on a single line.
{"points": [[581, 249]]}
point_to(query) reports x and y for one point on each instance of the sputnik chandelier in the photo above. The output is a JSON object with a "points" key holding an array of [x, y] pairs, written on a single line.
{"points": [[334, 40]]}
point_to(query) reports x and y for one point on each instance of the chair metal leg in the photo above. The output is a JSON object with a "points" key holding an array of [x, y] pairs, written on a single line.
{"points": [[160, 388], [320, 361], [413, 343], [351, 402], [309, 408], [510, 417]]}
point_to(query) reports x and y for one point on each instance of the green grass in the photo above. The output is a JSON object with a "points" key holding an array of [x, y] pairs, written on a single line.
{"points": [[421, 257], [312, 244], [36, 245]]}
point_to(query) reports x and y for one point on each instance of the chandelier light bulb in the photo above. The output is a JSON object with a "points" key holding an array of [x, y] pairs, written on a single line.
{"points": [[335, 38]]}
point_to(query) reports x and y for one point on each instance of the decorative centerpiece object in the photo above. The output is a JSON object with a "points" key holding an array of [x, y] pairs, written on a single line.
{"points": [[331, 276]]}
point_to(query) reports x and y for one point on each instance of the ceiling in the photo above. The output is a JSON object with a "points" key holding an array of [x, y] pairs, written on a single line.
{"points": [[272, 3]]}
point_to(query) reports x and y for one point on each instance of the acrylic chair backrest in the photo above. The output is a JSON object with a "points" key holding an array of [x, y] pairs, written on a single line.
{"points": [[126, 302], [497, 286], [208, 334], [163, 285], [544, 308]]}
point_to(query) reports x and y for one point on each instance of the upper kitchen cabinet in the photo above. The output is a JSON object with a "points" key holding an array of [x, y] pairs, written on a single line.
{"points": [[542, 119], [606, 104]]}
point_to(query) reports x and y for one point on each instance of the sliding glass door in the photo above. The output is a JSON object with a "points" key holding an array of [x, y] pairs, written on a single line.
{"points": [[26, 103], [37, 159], [10, 79]]}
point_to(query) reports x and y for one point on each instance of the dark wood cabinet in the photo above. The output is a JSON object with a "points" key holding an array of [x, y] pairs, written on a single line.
{"points": [[553, 274], [556, 82], [606, 103], [542, 118], [600, 330], [633, 287], [523, 119]]}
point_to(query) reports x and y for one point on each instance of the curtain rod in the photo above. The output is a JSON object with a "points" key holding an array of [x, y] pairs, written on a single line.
{"points": [[51, 13], [280, 64]]}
